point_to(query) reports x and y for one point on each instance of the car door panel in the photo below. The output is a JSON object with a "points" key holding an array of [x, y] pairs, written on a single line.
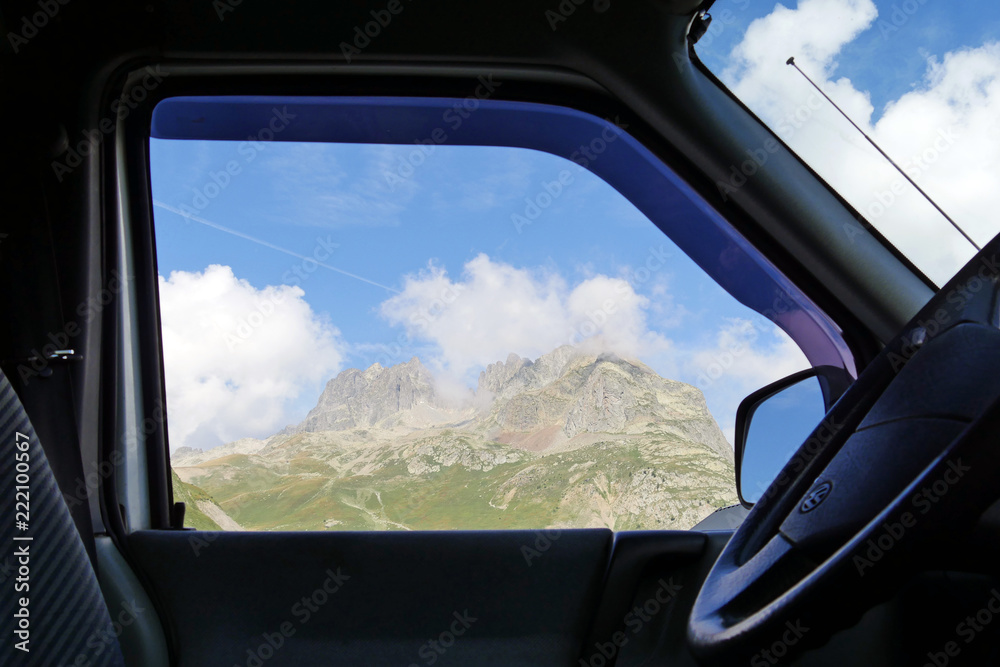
{"points": [[397, 598]]}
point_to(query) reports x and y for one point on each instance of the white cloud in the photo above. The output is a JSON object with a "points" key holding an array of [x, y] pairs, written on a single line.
{"points": [[943, 133], [744, 356], [814, 33], [240, 360], [734, 354], [237, 357], [496, 309]]}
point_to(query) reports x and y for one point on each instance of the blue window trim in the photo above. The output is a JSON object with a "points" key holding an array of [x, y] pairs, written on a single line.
{"points": [[597, 144]]}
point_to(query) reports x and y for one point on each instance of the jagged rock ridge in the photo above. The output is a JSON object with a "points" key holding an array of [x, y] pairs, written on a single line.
{"points": [[594, 394], [567, 440], [361, 399]]}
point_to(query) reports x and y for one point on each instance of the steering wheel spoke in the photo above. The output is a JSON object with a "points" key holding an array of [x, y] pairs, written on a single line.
{"points": [[774, 568]]}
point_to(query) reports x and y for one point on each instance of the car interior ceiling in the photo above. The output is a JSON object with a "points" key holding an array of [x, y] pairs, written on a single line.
{"points": [[205, 602]]}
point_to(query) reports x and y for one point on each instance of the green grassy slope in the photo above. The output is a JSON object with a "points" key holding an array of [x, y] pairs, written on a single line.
{"points": [[188, 494], [654, 480]]}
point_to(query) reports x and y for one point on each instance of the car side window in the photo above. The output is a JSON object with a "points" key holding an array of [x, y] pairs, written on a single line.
{"points": [[364, 336]]}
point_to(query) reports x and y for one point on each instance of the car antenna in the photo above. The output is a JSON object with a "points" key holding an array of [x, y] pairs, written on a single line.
{"points": [[791, 61]]}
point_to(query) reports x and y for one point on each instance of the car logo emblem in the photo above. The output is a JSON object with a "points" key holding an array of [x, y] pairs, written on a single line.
{"points": [[816, 497]]}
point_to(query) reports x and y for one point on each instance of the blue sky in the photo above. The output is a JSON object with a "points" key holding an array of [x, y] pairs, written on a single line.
{"points": [[921, 78], [450, 221], [430, 264], [456, 206], [886, 60]]}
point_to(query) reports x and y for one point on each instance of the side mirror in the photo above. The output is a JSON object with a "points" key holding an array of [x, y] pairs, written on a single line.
{"points": [[773, 422]]}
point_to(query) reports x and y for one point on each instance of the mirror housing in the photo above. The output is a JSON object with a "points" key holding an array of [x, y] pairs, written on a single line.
{"points": [[798, 403]]}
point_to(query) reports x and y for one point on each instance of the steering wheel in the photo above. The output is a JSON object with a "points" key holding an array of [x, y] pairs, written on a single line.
{"points": [[905, 458]]}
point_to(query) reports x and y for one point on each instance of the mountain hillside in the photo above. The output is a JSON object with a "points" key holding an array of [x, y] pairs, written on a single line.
{"points": [[194, 500], [584, 394], [566, 440]]}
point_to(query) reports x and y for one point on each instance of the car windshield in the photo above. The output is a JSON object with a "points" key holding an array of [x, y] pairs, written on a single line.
{"points": [[921, 79]]}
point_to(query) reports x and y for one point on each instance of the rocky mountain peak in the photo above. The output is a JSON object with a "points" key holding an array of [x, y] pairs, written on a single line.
{"points": [[559, 396], [517, 374], [568, 393], [361, 399], [498, 374]]}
